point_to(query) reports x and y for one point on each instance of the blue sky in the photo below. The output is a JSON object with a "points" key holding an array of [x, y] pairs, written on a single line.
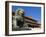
{"points": [[34, 12]]}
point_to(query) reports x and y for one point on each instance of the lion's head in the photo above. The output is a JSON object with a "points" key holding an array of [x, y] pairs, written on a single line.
{"points": [[20, 12]]}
